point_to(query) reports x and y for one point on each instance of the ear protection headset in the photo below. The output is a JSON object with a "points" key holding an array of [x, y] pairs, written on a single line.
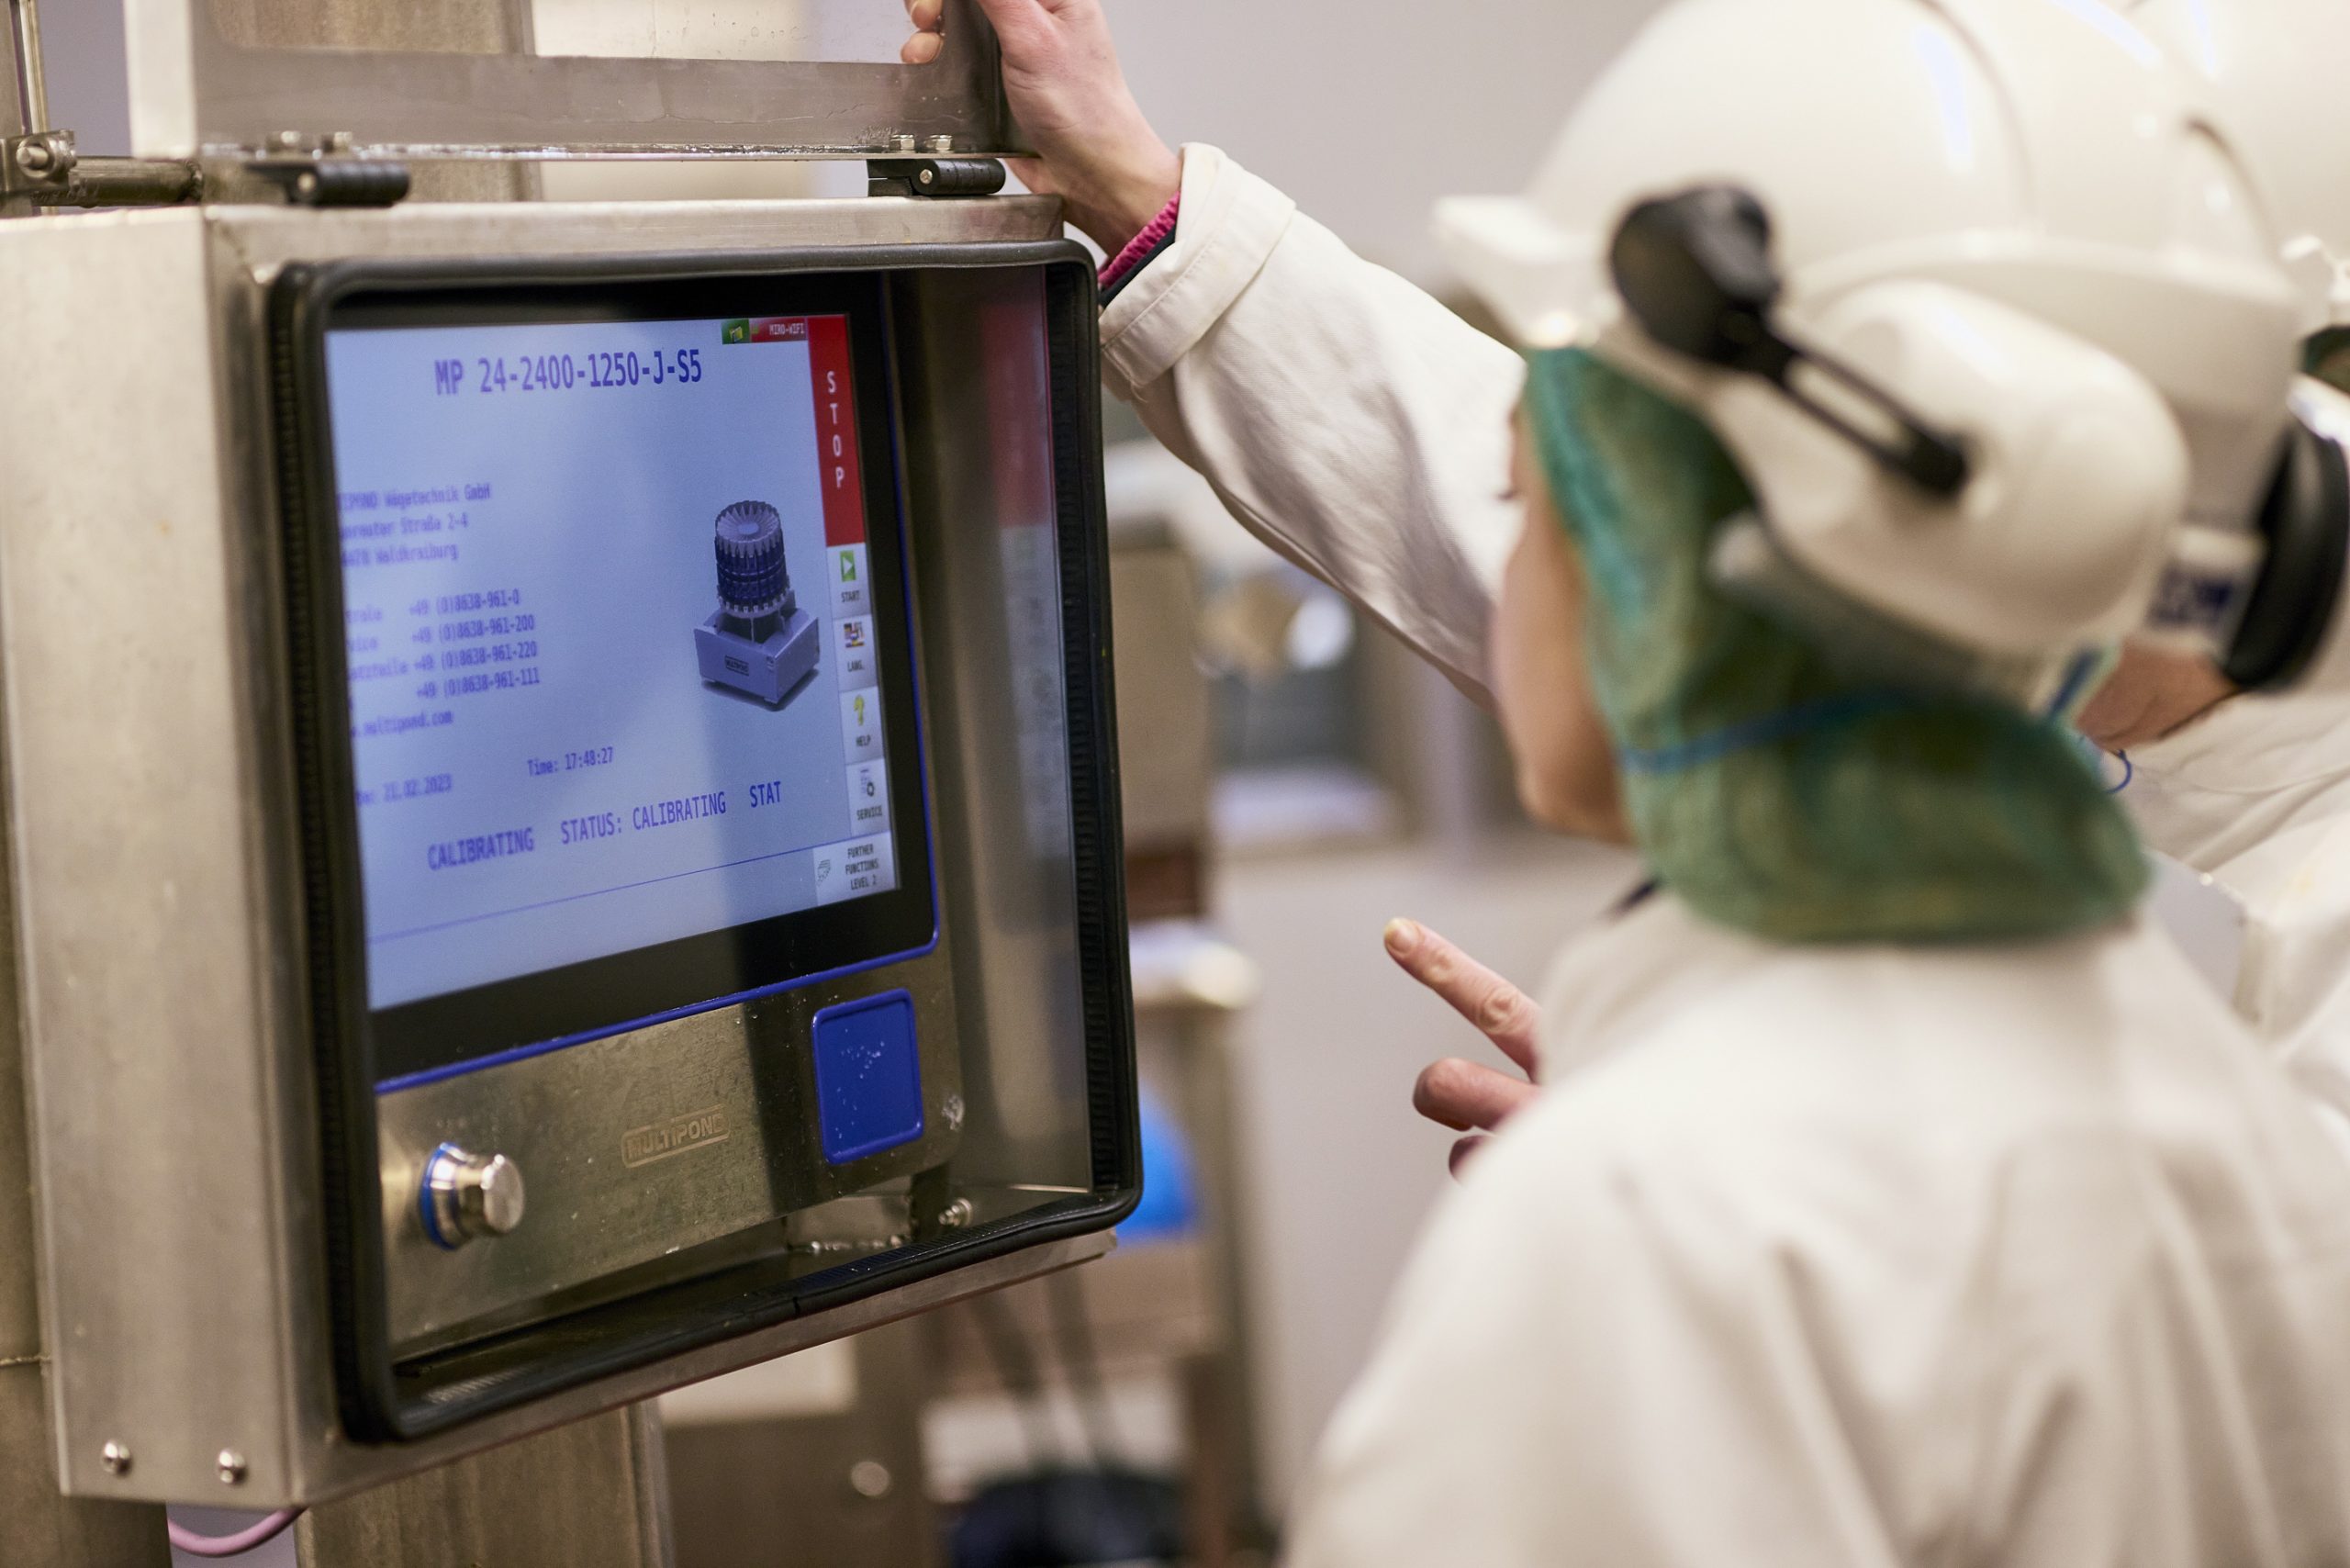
{"points": [[2304, 521], [1694, 271]]}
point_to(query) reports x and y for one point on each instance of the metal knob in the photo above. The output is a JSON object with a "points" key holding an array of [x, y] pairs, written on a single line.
{"points": [[469, 1196]]}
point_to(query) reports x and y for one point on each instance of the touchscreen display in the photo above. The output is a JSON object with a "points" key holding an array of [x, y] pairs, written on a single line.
{"points": [[616, 671]]}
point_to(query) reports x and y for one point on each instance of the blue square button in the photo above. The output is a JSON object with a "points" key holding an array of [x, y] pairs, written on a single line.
{"points": [[869, 1076]]}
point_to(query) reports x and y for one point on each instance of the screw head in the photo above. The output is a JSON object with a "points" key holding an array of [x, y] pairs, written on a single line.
{"points": [[955, 1215], [35, 157], [116, 1457], [306, 185], [870, 1478], [232, 1466], [903, 143], [942, 144]]}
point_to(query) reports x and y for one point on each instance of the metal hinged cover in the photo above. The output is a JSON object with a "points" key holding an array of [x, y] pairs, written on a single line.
{"points": [[553, 78]]}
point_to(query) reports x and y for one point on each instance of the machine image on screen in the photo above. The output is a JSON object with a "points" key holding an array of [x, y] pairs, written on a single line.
{"points": [[616, 647]]}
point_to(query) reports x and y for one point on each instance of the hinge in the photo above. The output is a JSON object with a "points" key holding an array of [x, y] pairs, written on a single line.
{"points": [[933, 176], [334, 179]]}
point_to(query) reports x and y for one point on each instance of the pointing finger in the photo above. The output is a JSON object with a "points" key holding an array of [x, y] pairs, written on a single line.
{"points": [[1501, 1012]]}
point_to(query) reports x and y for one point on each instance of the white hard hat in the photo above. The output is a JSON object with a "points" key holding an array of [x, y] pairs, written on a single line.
{"points": [[2276, 69], [2016, 217]]}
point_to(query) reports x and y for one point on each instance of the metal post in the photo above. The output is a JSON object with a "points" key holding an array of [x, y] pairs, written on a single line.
{"points": [[31, 88], [12, 118], [592, 1494]]}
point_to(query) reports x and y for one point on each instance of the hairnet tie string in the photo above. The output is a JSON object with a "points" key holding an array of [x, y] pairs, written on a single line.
{"points": [[1801, 719]]}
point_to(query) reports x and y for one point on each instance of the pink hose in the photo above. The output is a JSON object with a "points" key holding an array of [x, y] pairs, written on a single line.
{"points": [[245, 1540]]}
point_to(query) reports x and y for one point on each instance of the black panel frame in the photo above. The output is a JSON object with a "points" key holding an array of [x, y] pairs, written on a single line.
{"points": [[382, 1400]]}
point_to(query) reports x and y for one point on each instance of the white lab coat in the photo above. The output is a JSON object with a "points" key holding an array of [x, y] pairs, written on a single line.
{"points": [[1390, 485], [1816, 1257], [1856, 1257], [2257, 795]]}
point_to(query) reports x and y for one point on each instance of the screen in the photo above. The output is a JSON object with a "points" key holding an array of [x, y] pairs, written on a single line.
{"points": [[620, 643]]}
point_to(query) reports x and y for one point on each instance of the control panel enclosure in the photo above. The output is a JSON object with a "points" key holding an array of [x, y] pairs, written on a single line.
{"points": [[452, 1005]]}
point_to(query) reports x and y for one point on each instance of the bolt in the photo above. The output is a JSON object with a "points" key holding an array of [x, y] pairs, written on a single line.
{"points": [[955, 1215], [288, 141], [306, 185], [903, 143], [951, 1112], [35, 157], [871, 1478], [232, 1466], [927, 177], [942, 144], [116, 1457], [341, 141]]}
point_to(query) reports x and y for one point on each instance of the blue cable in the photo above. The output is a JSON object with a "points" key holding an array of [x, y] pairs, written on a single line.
{"points": [[2076, 675]]}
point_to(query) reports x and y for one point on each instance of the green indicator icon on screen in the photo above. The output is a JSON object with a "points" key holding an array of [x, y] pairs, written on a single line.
{"points": [[735, 331], [848, 567]]}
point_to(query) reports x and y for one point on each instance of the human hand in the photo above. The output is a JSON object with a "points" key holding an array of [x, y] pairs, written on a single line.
{"points": [[1095, 151], [1467, 1096]]}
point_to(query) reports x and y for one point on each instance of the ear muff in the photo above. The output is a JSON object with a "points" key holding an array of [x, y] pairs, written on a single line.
{"points": [[2305, 524], [1695, 270], [2067, 527]]}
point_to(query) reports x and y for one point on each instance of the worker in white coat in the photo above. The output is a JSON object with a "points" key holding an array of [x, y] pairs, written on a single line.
{"points": [[2255, 789], [1895, 1193], [2252, 789]]}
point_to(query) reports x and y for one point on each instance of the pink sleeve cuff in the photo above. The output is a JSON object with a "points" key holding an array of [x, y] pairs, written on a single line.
{"points": [[1140, 247]]}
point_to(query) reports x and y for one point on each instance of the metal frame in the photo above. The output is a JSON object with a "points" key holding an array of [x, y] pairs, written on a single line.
{"points": [[196, 93], [155, 933]]}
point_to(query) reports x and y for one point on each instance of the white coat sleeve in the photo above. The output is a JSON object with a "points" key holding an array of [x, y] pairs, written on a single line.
{"points": [[1344, 416], [1585, 1370]]}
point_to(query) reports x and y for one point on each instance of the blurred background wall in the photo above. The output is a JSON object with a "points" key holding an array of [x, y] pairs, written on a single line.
{"points": [[1368, 112]]}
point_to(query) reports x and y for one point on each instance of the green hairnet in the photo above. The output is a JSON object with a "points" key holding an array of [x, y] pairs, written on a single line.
{"points": [[1769, 789]]}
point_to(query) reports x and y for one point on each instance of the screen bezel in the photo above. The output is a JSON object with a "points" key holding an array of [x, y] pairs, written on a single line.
{"points": [[430, 1038], [382, 1397]]}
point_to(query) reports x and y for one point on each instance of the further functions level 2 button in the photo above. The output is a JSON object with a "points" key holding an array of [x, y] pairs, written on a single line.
{"points": [[469, 1196]]}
